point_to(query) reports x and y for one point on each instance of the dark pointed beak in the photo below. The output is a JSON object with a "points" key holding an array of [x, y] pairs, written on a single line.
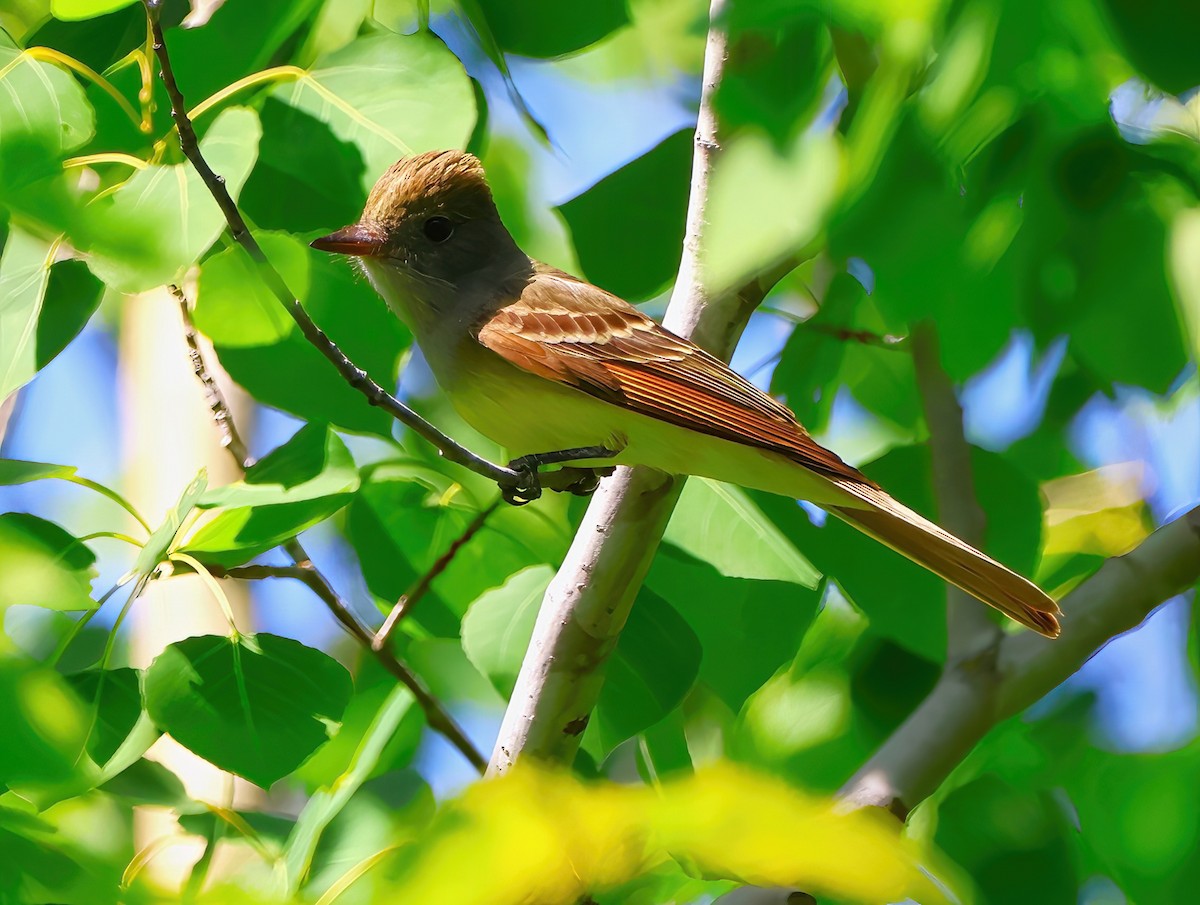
{"points": [[358, 239]]}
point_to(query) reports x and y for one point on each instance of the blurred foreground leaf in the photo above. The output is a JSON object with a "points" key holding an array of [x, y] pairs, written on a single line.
{"points": [[43, 565]]}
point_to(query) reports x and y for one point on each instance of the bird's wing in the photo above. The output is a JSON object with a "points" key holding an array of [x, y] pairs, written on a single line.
{"points": [[569, 331]]}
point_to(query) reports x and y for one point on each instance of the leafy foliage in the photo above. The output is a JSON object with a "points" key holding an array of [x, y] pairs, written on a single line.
{"points": [[1010, 175]]}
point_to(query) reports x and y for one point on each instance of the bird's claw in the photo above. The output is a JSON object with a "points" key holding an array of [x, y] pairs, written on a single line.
{"points": [[528, 488]]}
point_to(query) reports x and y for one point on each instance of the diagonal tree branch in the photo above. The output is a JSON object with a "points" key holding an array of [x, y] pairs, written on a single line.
{"points": [[354, 375], [302, 568], [968, 701], [588, 602]]}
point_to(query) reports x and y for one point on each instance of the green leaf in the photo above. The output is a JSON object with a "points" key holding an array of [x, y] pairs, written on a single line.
{"points": [[498, 626], [748, 628], [390, 95], [303, 482], [720, 524], [72, 297], [349, 311], [160, 541], [45, 730], [1155, 34], [24, 275], [372, 743], [85, 9], [765, 205], [546, 28], [163, 218], [634, 256], [256, 706], [42, 565], [17, 471], [45, 113], [235, 308], [653, 668], [114, 697]]}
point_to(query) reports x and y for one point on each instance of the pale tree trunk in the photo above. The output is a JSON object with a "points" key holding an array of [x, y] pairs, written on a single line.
{"points": [[167, 436]]}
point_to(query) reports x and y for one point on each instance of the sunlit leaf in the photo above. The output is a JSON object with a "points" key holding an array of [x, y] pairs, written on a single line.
{"points": [[235, 308], [256, 706], [161, 540], [24, 275], [42, 565], [85, 9], [497, 628], [390, 95], [720, 524], [304, 481], [163, 218]]}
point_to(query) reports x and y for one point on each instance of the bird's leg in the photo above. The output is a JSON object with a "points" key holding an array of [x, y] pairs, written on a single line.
{"points": [[582, 481]]}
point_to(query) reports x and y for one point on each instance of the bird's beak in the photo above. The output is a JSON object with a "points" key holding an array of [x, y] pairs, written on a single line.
{"points": [[360, 239]]}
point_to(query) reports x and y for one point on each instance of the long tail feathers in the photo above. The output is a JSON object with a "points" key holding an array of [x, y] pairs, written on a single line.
{"points": [[957, 562]]}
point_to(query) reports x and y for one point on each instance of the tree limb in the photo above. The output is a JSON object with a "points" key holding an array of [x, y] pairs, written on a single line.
{"points": [[969, 628], [302, 568], [968, 701], [354, 375], [588, 602]]}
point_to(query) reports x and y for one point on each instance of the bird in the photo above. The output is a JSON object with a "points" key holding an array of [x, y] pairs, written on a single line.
{"points": [[539, 360]]}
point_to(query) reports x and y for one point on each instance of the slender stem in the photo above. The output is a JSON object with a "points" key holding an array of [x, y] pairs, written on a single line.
{"points": [[302, 568], [354, 375], [411, 597]]}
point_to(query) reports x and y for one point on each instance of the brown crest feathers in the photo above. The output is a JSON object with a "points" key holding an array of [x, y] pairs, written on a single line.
{"points": [[451, 183]]}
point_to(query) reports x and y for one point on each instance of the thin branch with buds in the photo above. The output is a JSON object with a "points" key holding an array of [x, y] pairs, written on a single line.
{"points": [[303, 570]]}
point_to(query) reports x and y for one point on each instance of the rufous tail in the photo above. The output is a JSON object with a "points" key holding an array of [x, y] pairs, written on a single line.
{"points": [[917, 538]]}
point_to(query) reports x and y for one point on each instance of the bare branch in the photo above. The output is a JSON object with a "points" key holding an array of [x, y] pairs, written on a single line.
{"points": [[411, 597], [968, 700], [303, 570], [588, 601], [354, 375], [969, 628]]}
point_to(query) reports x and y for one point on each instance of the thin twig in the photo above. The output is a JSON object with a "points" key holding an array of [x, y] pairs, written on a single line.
{"points": [[354, 375], [302, 569], [410, 598]]}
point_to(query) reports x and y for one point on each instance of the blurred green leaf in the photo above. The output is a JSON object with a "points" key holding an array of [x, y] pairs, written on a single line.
{"points": [[765, 205], [163, 218], [235, 308], [45, 735], [1156, 35], [257, 705], [42, 565], [24, 274], [85, 9], [497, 628], [302, 482], [390, 95], [721, 525], [545, 28], [45, 114], [628, 227]]}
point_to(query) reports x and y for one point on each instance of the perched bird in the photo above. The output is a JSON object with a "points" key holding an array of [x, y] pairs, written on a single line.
{"points": [[539, 360]]}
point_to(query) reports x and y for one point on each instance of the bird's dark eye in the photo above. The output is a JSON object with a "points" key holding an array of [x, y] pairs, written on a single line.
{"points": [[438, 229]]}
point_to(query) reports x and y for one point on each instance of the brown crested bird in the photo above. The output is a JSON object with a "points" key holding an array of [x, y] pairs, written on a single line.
{"points": [[539, 360]]}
